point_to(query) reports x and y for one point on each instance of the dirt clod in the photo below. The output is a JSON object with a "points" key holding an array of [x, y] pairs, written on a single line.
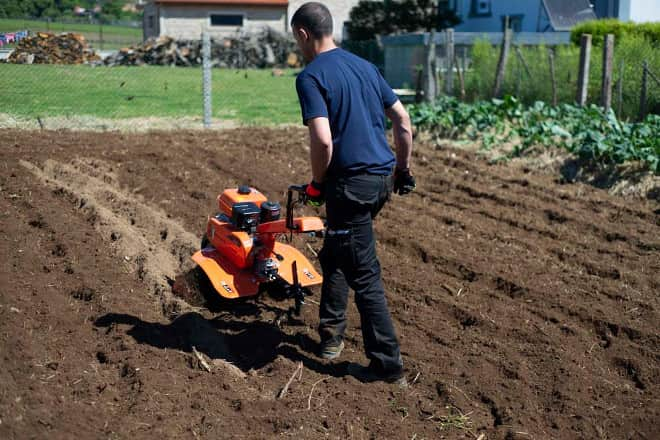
{"points": [[84, 294]]}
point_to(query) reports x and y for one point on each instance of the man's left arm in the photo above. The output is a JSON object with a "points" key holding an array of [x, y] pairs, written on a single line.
{"points": [[320, 147]]}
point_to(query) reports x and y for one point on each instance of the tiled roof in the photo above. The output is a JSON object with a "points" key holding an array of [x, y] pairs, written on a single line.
{"points": [[564, 14], [225, 2]]}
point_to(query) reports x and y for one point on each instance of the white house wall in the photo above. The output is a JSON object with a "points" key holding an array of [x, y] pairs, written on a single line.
{"points": [[187, 22], [339, 9], [639, 10]]}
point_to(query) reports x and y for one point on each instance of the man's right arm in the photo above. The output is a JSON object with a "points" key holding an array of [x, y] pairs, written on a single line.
{"points": [[402, 129]]}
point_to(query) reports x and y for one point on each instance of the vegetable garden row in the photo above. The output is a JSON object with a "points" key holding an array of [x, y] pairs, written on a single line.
{"points": [[588, 132]]}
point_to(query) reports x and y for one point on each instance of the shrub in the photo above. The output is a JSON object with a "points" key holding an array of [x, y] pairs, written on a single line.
{"points": [[621, 30]]}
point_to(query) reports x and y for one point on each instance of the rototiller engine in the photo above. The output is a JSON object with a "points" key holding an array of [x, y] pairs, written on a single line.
{"points": [[240, 251]]}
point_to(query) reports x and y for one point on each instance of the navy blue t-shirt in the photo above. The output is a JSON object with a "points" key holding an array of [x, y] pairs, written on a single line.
{"points": [[352, 94]]}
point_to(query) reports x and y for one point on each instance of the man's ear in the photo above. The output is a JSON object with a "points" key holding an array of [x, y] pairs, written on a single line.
{"points": [[302, 33]]}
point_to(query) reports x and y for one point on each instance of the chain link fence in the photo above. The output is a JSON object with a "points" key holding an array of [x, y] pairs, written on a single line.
{"points": [[140, 98], [100, 35], [539, 67], [144, 97], [100, 96], [529, 75]]}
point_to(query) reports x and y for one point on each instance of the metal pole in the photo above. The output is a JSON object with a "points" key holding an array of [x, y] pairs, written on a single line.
{"points": [[206, 77]]}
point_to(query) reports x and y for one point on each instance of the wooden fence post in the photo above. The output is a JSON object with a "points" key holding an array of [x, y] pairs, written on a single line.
{"points": [[523, 61], [553, 79], [606, 83], [449, 57], [419, 83], [583, 75], [461, 78], [501, 64], [518, 79], [642, 96], [430, 75], [619, 90]]}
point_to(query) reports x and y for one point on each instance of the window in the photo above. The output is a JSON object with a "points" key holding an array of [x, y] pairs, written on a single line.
{"points": [[226, 20], [515, 22], [445, 5], [481, 8], [150, 22]]}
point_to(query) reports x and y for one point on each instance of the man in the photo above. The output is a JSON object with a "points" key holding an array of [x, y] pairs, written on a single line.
{"points": [[344, 100]]}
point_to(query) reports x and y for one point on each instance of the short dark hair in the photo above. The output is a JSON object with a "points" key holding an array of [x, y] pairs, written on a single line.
{"points": [[315, 17]]}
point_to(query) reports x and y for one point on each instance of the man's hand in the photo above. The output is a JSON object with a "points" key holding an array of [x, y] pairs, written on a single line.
{"points": [[404, 182], [314, 194]]}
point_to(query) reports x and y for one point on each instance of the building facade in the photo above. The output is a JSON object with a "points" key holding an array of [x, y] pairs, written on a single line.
{"points": [[340, 10], [522, 15], [638, 11], [185, 19]]}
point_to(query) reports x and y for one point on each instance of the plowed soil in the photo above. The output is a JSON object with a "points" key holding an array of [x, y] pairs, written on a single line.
{"points": [[525, 308]]}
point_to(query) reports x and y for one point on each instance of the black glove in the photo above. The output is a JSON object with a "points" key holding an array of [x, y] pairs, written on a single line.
{"points": [[404, 182], [314, 194]]}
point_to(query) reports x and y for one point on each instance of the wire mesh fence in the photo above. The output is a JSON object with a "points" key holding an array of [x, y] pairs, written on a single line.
{"points": [[97, 95], [163, 96], [100, 35], [158, 96], [530, 77]]}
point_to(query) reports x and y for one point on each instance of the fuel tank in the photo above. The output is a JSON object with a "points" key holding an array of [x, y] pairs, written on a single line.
{"points": [[232, 244]]}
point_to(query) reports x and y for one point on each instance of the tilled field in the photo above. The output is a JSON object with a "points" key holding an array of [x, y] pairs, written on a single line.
{"points": [[525, 308]]}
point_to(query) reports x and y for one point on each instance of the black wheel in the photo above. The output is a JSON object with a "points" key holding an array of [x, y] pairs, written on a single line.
{"points": [[205, 242]]}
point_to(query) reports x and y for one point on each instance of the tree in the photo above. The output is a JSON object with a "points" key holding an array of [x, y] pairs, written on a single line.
{"points": [[112, 8], [35, 8], [367, 19], [370, 18]]}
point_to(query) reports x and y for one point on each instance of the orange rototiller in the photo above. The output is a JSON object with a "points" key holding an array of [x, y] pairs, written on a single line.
{"points": [[240, 250]]}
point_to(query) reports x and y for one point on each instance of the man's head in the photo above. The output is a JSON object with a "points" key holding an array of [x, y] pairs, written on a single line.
{"points": [[312, 26]]}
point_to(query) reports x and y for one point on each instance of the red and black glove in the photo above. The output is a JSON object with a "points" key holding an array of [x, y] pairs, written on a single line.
{"points": [[404, 182], [314, 194]]}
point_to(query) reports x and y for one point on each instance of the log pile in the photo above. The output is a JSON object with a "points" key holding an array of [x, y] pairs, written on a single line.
{"points": [[48, 48], [163, 51], [265, 49]]}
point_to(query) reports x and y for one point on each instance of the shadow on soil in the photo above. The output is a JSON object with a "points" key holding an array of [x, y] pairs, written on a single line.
{"points": [[237, 334], [607, 176]]}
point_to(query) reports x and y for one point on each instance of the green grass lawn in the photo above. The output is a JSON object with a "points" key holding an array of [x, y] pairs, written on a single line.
{"points": [[113, 36], [247, 96]]}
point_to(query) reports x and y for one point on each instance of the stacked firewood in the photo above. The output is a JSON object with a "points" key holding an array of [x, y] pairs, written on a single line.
{"points": [[47, 48], [164, 51], [265, 49]]}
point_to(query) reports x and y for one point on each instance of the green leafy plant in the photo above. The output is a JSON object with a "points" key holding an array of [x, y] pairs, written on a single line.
{"points": [[591, 132]]}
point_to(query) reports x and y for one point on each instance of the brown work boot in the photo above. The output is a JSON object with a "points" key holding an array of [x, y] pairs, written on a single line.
{"points": [[369, 374]]}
